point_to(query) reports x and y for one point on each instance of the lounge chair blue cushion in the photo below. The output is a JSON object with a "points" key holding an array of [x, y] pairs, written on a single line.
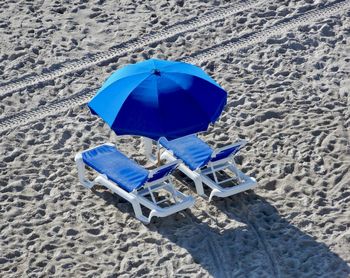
{"points": [[190, 149], [116, 166]]}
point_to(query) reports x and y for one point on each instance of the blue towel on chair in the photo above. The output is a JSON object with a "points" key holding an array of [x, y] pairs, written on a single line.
{"points": [[190, 149], [116, 166]]}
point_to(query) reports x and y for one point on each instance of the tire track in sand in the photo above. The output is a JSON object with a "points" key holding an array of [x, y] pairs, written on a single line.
{"points": [[25, 117], [249, 220], [129, 46], [215, 250], [278, 29]]}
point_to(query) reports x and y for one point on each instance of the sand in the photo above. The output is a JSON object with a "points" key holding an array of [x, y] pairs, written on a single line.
{"points": [[288, 96]]}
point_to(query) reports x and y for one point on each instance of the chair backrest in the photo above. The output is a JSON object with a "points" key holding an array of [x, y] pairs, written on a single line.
{"points": [[227, 151], [162, 171]]}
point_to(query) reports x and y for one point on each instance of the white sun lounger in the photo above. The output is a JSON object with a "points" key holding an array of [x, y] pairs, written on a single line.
{"points": [[202, 164], [132, 182]]}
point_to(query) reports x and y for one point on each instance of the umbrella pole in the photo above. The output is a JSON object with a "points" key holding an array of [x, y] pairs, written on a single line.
{"points": [[158, 154], [147, 145]]}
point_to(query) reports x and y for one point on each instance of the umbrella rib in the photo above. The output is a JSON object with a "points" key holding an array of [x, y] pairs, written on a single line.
{"points": [[129, 76], [160, 112], [127, 98], [210, 80], [192, 99]]}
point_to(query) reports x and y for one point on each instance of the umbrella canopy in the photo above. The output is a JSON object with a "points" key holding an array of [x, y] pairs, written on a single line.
{"points": [[156, 98]]}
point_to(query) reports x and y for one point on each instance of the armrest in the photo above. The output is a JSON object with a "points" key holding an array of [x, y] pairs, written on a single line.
{"points": [[228, 150], [163, 170]]}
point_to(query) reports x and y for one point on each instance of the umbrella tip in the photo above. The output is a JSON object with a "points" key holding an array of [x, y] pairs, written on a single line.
{"points": [[156, 72]]}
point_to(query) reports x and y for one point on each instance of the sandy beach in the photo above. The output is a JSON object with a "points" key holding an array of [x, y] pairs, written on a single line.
{"points": [[286, 68]]}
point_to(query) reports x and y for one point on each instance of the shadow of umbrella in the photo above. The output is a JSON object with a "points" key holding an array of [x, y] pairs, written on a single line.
{"points": [[258, 243]]}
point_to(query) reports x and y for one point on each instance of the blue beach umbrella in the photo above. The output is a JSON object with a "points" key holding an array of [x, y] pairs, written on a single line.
{"points": [[156, 98]]}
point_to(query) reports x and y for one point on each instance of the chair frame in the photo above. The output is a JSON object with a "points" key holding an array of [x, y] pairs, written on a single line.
{"points": [[137, 197], [200, 176]]}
